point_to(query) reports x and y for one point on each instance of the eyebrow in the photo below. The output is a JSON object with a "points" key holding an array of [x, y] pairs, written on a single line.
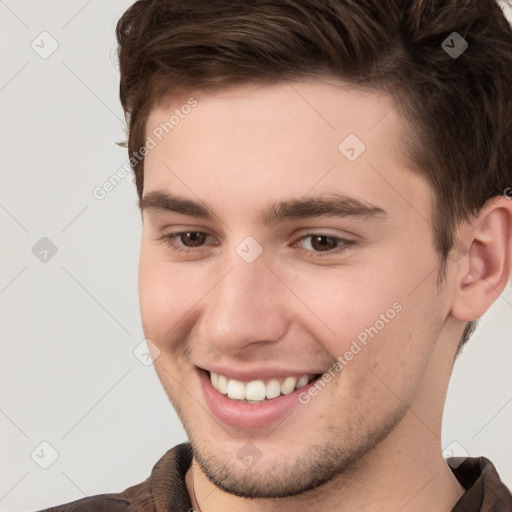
{"points": [[331, 205], [171, 203]]}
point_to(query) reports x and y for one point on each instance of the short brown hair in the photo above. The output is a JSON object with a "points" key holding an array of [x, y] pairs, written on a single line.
{"points": [[459, 108]]}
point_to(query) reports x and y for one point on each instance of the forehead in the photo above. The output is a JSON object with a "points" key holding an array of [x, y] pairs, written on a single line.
{"points": [[288, 138], [300, 109]]}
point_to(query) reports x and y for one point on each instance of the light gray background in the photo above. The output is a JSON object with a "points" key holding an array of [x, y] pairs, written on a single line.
{"points": [[69, 325]]}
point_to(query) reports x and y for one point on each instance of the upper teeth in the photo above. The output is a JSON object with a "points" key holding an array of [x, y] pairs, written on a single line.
{"points": [[256, 390]]}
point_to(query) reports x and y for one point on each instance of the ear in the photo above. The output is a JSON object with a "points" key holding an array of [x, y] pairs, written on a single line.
{"points": [[483, 272]]}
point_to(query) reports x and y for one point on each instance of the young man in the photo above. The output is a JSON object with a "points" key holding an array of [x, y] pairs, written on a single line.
{"points": [[324, 187]]}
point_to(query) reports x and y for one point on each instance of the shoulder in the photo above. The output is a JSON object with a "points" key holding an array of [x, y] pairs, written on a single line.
{"points": [[129, 500], [165, 486], [485, 491]]}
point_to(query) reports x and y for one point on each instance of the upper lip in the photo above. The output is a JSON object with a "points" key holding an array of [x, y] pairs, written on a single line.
{"points": [[255, 373]]}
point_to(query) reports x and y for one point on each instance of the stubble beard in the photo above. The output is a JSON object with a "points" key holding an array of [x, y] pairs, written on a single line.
{"points": [[313, 467]]}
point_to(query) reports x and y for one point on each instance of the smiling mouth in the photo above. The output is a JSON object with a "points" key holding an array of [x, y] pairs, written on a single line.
{"points": [[258, 391]]}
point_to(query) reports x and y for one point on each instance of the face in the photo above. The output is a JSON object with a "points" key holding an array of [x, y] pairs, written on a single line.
{"points": [[282, 260]]}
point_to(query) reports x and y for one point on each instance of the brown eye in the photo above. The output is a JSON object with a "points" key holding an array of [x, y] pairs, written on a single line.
{"points": [[323, 243], [192, 238], [320, 244]]}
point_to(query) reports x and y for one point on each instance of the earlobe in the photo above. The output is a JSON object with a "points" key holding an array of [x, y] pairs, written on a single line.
{"points": [[486, 267]]}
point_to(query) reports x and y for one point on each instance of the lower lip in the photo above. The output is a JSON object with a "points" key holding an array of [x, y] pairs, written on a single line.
{"points": [[248, 416]]}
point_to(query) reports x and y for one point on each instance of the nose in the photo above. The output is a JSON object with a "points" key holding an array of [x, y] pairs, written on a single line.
{"points": [[246, 307]]}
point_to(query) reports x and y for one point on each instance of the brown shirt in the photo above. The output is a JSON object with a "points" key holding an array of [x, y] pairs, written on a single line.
{"points": [[165, 489]]}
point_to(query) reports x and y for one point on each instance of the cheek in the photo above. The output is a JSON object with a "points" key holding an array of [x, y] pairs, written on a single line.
{"points": [[379, 316], [347, 302], [167, 298]]}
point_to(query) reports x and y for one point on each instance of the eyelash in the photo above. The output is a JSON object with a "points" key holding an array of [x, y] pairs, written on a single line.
{"points": [[171, 237], [170, 241]]}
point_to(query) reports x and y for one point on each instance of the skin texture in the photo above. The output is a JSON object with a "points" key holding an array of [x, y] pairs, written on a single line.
{"points": [[370, 440]]}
